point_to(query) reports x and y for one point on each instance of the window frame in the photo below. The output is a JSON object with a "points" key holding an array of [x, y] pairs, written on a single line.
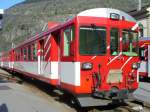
{"points": [[72, 26], [137, 40], [34, 54], [100, 26], [25, 54], [29, 53]]}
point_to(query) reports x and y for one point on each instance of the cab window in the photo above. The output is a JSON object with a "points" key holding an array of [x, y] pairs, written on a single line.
{"points": [[92, 40], [114, 41]]}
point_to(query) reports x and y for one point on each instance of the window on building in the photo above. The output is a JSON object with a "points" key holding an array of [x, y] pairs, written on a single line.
{"points": [[68, 37], [114, 41]]}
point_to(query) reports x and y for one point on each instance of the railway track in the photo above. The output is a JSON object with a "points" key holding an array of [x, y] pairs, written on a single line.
{"points": [[9, 77], [44, 90]]}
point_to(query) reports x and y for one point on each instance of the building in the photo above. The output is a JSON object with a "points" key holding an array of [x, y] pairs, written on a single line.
{"points": [[143, 17], [1, 17]]}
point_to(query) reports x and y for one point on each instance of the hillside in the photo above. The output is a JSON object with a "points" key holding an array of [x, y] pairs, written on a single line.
{"points": [[26, 19]]}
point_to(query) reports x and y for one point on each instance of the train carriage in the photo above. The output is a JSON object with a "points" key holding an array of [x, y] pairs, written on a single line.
{"points": [[93, 56], [144, 70]]}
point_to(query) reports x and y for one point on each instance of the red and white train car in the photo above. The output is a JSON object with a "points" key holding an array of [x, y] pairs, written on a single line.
{"points": [[144, 70], [95, 54]]}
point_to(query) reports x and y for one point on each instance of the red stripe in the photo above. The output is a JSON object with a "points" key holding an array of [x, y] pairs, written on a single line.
{"points": [[144, 74]]}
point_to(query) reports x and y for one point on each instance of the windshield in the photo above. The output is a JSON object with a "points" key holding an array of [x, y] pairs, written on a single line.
{"points": [[130, 43], [92, 40]]}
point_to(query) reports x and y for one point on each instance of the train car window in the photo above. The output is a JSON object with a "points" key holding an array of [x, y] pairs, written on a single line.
{"points": [[92, 40], [68, 38], [21, 54], [29, 53], [42, 50], [25, 54], [130, 43], [142, 53], [35, 52], [114, 41]]}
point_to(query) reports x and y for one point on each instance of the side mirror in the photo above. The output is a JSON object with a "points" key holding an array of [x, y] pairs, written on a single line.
{"points": [[141, 53], [72, 49]]}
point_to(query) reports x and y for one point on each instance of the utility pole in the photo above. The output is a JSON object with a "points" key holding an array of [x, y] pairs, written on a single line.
{"points": [[139, 5]]}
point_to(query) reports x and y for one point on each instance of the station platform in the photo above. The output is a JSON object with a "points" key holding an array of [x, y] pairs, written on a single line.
{"points": [[16, 97], [143, 93]]}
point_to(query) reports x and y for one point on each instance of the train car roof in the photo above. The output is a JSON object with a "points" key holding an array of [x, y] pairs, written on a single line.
{"points": [[97, 12], [52, 27], [144, 38], [105, 12], [37, 36]]}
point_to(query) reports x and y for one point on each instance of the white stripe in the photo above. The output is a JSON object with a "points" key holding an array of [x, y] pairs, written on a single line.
{"points": [[74, 70], [39, 65], [120, 38], [148, 56], [135, 26], [54, 70], [47, 40], [47, 50], [145, 50], [132, 71], [113, 59], [126, 63], [108, 47], [93, 57], [86, 28], [47, 63], [143, 45], [137, 76], [39, 50]]}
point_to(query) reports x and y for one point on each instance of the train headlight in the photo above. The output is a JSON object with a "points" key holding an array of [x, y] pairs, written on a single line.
{"points": [[135, 65], [87, 66]]}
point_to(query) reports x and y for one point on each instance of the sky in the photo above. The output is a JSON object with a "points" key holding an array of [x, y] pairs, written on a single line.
{"points": [[5, 4]]}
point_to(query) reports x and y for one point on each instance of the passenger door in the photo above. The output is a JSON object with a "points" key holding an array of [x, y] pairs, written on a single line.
{"points": [[68, 66]]}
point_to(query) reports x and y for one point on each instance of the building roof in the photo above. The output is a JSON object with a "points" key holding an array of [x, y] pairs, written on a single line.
{"points": [[143, 13]]}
